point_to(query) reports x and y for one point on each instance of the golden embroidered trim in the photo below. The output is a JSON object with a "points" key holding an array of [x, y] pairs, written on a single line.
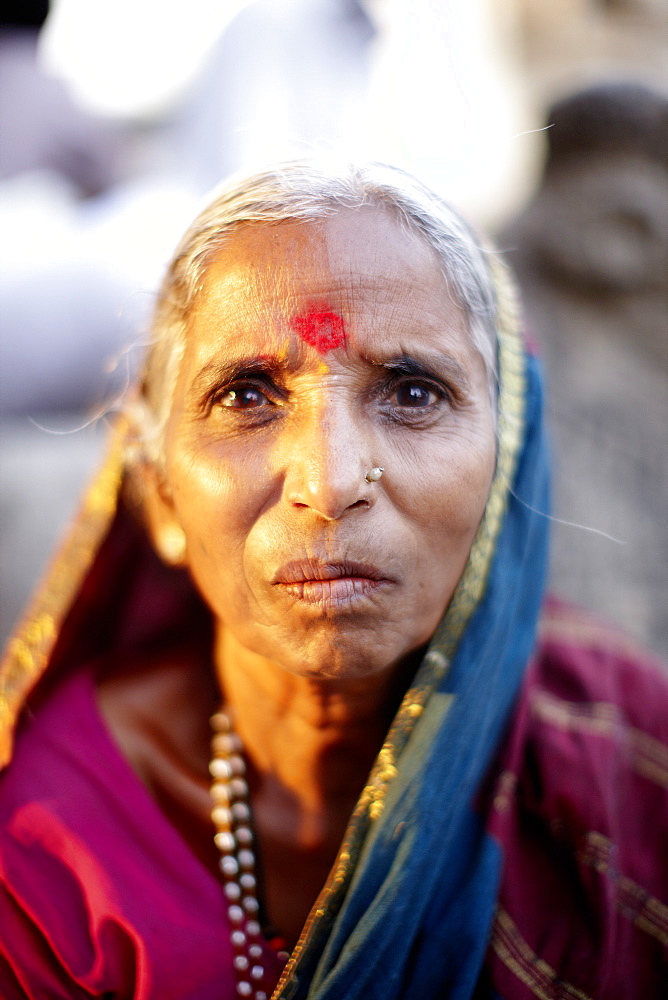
{"points": [[511, 409], [523, 962], [648, 755], [511, 413], [28, 652], [644, 911]]}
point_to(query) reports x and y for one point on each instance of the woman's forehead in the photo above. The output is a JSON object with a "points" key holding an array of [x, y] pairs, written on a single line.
{"points": [[353, 249], [355, 274]]}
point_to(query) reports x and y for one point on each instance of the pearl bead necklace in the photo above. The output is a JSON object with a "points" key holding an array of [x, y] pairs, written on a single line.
{"points": [[234, 839]]}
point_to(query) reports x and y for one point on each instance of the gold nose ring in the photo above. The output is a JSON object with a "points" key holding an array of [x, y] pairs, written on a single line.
{"points": [[373, 475]]}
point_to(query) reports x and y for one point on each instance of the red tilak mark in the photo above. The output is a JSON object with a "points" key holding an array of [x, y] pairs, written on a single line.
{"points": [[323, 330]]}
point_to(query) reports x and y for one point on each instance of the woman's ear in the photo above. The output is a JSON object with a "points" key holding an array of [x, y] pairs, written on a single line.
{"points": [[165, 531]]}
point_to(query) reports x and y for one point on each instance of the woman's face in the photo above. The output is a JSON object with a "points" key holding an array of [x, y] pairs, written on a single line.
{"points": [[316, 352]]}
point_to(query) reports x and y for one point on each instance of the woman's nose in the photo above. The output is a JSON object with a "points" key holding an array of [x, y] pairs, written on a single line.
{"points": [[328, 462]]}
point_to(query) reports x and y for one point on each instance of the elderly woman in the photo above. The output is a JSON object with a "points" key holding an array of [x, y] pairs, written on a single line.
{"points": [[321, 531]]}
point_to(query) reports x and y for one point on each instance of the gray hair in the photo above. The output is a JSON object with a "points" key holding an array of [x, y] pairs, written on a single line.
{"points": [[305, 191]]}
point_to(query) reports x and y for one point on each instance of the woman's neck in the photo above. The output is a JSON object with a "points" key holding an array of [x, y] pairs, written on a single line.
{"points": [[311, 742]]}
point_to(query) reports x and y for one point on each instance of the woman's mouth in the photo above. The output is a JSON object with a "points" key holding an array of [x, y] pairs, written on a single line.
{"points": [[324, 583]]}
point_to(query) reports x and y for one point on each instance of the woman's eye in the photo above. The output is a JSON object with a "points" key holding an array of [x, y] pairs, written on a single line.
{"points": [[245, 397], [415, 395]]}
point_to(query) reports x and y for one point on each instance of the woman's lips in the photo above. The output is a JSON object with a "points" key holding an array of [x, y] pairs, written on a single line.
{"points": [[329, 582], [305, 570]]}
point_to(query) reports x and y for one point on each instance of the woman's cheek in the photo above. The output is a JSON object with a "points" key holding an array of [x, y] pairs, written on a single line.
{"points": [[451, 486]]}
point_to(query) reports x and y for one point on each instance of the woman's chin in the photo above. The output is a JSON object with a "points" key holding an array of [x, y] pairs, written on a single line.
{"points": [[341, 657]]}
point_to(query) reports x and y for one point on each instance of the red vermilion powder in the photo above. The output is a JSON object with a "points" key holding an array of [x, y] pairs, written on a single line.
{"points": [[323, 330]]}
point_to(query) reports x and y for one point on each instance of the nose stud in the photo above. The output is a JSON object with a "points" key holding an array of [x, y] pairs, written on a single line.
{"points": [[373, 475]]}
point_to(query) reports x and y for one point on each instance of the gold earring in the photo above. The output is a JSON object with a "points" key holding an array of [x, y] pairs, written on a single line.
{"points": [[172, 544]]}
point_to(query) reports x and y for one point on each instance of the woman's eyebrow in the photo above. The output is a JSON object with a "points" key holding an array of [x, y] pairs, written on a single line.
{"points": [[223, 372], [430, 366]]}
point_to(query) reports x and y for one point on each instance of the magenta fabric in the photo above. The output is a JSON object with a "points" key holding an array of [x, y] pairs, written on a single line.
{"points": [[99, 896]]}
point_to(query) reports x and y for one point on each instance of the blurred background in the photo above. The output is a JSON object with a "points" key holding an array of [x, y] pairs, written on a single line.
{"points": [[545, 121]]}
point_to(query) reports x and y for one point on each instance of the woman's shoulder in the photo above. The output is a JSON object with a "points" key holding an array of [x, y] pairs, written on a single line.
{"points": [[591, 690], [579, 807], [57, 744], [55, 881], [64, 799], [585, 658], [591, 716]]}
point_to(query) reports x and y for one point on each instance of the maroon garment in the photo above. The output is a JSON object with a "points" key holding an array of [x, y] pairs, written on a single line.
{"points": [[99, 895], [580, 810]]}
